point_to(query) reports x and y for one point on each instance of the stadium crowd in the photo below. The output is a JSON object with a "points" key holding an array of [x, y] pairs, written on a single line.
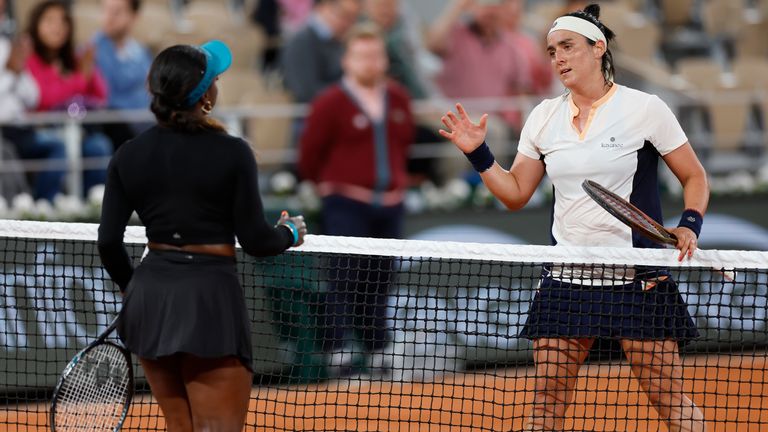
{"points": [[81, 56]]}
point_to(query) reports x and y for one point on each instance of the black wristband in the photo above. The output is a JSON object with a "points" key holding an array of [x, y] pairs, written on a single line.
{"points": [[481, 158], [692, 220]]}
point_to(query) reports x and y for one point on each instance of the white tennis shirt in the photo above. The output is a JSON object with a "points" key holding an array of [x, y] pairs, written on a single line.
{"points": [[619, 148]]}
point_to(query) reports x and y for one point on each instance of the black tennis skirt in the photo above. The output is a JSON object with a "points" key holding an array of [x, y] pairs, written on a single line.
{"points": [[179, 302], [630, 311]]}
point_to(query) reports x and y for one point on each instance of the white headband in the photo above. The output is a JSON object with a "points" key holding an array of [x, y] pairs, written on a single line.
{"points": [[580, 26]]}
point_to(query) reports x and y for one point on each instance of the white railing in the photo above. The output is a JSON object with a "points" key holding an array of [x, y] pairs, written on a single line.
{"points": [[234, 118], [70, 124]]}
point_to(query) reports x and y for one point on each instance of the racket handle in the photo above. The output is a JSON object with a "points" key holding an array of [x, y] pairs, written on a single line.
{"points": [[672, 240]]}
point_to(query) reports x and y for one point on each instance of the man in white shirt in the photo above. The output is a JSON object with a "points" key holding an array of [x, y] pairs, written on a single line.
{"points": [[18, 89], [18, 94]]}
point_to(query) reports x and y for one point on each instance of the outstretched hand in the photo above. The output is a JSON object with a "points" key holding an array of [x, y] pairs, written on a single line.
{"points": [[462, 132]]}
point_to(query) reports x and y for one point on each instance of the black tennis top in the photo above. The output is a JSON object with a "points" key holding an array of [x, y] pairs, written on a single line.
{"points": [[187, 188]]}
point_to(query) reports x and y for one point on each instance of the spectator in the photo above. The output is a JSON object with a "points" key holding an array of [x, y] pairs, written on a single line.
{"points": [[18, 89], [480, 60], [266, 15], [294, 14], [404, 45], [124, 63], [67, 81], [537, 73], [279, 19], [354, 148], [407, 56], [480, 40], [311, 59], [18, 93], [7, 21]]}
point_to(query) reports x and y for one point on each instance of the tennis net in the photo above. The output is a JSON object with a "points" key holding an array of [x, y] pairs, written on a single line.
{"points": [[401, 335]]}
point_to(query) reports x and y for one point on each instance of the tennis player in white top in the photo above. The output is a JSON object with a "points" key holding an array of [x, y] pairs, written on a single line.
{"points": [[613, 135]]}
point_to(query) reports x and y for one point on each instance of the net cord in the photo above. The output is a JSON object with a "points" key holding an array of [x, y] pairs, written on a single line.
{"points": [[717, 259]]}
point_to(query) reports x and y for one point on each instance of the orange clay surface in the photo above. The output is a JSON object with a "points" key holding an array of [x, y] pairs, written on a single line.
{"points": [[731, 390]]}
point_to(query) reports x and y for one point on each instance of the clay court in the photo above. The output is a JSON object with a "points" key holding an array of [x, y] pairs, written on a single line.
{"points": [[731, 390]]}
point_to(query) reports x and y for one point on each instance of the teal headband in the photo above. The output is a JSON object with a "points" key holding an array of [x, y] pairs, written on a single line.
{"points": [[218, 58]]}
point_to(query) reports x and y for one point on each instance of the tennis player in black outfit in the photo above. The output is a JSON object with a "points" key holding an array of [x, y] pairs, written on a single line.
{"points": [[195, 189]]}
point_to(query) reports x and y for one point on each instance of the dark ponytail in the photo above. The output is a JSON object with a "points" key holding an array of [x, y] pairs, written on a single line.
{"points": [[175, 72], [591, 13]]}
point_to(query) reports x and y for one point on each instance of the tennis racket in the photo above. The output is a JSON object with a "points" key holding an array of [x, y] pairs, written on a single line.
{"points": [[637, 220], [95, 389], [629, 214]]}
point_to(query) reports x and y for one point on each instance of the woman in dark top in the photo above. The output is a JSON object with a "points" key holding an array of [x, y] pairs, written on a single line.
{"points": [[194, 188]]}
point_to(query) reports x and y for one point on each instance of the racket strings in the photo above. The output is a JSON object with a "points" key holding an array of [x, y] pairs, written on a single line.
{"points": [[94, 394]]}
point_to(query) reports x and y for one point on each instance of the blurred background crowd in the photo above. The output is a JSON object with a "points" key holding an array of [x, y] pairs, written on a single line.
{"points": [[72, 85]]}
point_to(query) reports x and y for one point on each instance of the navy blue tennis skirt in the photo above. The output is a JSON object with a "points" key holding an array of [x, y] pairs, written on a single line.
{"points": [[562, 309], [179, 302]]}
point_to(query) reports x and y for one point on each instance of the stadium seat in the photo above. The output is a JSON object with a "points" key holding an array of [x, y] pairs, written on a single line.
{"points": [[174, 36], [154, 22], [752, 76], [639, 39], [237, 83], [634, 5], [751, 73], [87, 21], [22, 10], [268, 133], [700, 73], [208, 18], [247, 42], [540, 16], [750, 41], [728, 115], [676, 13], [723, 18], [615, 15], [212, 20]]}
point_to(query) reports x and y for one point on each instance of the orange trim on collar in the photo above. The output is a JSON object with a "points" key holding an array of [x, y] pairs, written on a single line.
{"points": [[592, 110]]}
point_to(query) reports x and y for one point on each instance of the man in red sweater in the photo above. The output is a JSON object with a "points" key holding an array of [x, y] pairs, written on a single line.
{"points": [[355, 149]]}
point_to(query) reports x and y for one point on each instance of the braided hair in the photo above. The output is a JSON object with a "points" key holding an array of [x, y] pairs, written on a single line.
{"points": [[591, 13]]}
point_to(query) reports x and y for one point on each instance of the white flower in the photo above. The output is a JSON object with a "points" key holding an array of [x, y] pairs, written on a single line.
{"points": [[762, 175], [457, 190], [282, 182], [414, 202], [96, 195], [741, 181], [432, 196], [44, 209], [68, 205], [308, 196], [482, 196], [23, 203]]}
